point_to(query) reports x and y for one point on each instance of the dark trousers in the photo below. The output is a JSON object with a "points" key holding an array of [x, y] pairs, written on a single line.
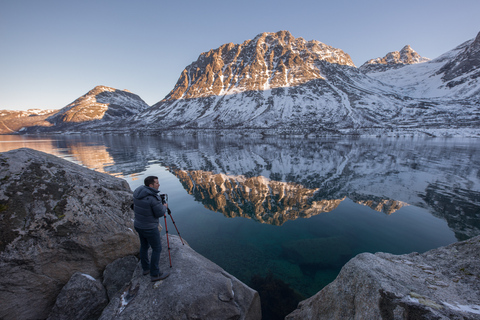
{"points": [[150, 238]]}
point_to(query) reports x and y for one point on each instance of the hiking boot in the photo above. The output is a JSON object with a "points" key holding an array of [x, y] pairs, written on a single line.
{"points": [[145, 272], [161, 276]]}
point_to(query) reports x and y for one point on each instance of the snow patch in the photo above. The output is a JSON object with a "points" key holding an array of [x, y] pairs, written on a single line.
{"points": [[89, 277], [475, 309]]}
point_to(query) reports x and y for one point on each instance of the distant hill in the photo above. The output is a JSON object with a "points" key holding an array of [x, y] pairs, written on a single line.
{"points": [[15, 121]]}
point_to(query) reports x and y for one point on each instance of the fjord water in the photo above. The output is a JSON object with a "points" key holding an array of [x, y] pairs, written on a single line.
{"points": [[295, 209]]}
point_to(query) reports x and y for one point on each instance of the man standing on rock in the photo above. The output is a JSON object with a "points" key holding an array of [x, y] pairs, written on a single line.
{"points": [[148, 207]]}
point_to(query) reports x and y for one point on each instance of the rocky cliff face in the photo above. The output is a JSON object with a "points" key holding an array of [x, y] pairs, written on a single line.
{"points": [[468, 61], [439, 284], [56, 218], [270, 60]]}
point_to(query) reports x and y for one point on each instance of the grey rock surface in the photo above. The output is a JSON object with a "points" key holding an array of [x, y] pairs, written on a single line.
{"points": [[118, 273], [196, 289], [82, 298], [56, 218], [443, 283]]}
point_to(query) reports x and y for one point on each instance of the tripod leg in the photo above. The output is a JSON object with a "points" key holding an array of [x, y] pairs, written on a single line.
{"points": [[170, 213], [168, 242]]}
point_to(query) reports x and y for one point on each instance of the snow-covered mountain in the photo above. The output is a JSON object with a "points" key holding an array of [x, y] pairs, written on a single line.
{"points": [[100, 103], [454, 75], [279, 84], [236, 88], [270, 60], [394, 60], [101, 107]]}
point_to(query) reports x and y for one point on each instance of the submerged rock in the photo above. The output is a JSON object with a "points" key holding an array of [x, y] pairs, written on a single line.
{"points": [[439, 284], [56, 218]]}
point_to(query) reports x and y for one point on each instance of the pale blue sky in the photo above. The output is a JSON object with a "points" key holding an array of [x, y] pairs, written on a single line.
{"points": [[54, 51]]}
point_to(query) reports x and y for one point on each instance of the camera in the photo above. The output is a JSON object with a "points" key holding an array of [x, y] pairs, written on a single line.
{"points": [[164, 198]]}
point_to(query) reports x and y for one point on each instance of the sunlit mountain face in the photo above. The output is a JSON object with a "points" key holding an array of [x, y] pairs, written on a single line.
{"points": [[264, 200]]}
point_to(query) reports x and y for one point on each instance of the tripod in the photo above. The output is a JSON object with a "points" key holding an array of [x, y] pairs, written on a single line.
{"points": [[166, 231]]}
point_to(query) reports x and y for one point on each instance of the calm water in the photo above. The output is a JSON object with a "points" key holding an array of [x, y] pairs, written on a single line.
{"points": [[295, 209]]}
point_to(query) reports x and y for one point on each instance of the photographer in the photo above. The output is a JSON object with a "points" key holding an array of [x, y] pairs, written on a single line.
{"points": [[149, 207]]}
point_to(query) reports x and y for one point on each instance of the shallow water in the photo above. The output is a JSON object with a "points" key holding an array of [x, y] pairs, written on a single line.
{"points": [[296, 209]]}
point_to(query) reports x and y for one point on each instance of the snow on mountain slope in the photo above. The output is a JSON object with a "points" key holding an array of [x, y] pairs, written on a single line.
{"points": [[393, 60], [435, 79]]}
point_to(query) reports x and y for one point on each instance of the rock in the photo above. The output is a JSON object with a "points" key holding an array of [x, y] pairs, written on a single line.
{"points": [[56, 218], [83, 297], [439, 284], [196, 289], [118, 274]]}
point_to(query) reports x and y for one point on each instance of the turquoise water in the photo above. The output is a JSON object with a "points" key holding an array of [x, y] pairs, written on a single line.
{"points": [[307, 254], [295, 210]]}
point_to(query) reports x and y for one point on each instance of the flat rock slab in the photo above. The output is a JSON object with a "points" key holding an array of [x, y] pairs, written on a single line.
{"points": [[196, 289]]}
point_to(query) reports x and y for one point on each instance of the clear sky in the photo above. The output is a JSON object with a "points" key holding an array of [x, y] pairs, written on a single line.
{"points": [[54, 51]]}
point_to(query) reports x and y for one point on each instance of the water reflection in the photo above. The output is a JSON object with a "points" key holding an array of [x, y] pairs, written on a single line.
{"points": [[275, 180], [94, 156], [264, 200]]}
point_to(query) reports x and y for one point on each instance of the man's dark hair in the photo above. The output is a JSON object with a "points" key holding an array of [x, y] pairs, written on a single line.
{"points": [[149, 180]]}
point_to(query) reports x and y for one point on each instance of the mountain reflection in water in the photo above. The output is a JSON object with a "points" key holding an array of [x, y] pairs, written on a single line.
{"points": [[311, 204], [263, 200]]}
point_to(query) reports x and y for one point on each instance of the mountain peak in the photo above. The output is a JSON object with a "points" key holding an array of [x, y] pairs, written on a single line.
{"points": [[394, 60], [270, 60], [101, 102], [405, 56], [406, 50]]}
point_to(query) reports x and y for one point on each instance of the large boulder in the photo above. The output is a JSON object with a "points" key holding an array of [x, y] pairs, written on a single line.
{"points": [[118, 273], [440, 284], [196, 289], [56, 218], [82, 298]]}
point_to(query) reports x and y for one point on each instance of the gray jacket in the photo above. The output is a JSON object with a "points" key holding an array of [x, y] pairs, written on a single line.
{"points": [[148, 207]]}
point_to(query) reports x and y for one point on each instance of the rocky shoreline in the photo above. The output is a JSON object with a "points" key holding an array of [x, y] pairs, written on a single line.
{"points": [[63, 230], [442, 283]]}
